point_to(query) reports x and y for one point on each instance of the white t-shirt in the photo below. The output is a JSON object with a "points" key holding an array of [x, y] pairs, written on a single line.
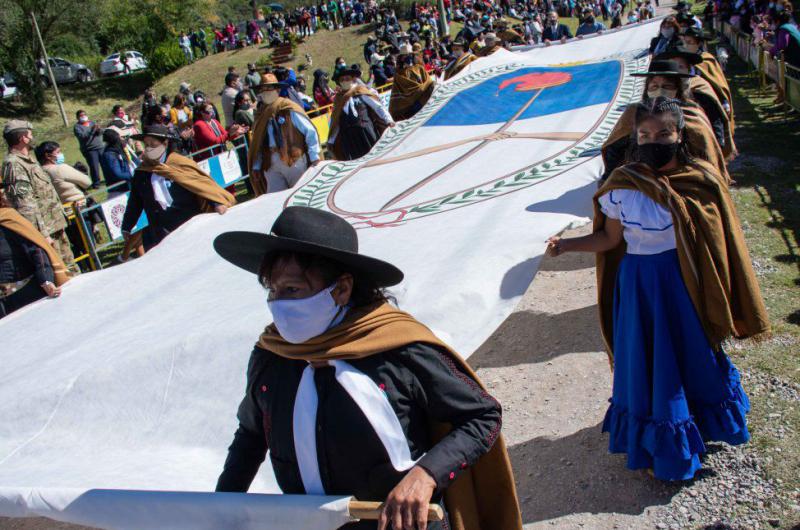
{"points": [[647, 226]]}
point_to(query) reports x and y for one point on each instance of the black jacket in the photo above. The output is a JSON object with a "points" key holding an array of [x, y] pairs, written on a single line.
{"points": [[561, 31], [20, 258], [421, 383], [185, 205]]}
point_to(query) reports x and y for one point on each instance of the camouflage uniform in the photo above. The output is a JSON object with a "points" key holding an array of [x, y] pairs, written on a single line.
{"points": [[29, 189]]}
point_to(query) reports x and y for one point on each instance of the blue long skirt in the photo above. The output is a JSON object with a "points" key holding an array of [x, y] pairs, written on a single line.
{"points": [[671, 390]]}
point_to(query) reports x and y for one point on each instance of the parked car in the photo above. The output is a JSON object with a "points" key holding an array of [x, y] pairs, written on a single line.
{"points": [[65, 71], [112, 65], [8, 86]]}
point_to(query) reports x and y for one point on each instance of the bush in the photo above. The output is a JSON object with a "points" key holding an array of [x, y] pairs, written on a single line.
{"points": [[166, 58]]}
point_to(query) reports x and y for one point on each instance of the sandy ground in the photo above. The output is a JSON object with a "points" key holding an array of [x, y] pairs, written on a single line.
{"points": [[554, 387]]}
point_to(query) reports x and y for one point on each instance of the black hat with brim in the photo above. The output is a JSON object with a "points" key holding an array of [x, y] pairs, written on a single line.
{"points": [[155, 131], [310, 231], [663, 68], [352, 70], [695, 33], [680, 6], [682, 52]]}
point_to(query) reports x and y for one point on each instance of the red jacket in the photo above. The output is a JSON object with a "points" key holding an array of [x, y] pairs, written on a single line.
{"points": [[204, 136]]}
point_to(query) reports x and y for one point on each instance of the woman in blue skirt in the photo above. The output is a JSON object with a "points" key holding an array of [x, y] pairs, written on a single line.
{"points": [[674, 281]]}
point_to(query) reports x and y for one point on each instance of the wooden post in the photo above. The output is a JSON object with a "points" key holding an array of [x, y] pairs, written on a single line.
{"points": [[372, 510], [445, 27], [50, 71]]}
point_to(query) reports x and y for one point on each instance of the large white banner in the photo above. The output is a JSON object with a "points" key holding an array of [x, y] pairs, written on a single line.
{"points": [[132, 378]]}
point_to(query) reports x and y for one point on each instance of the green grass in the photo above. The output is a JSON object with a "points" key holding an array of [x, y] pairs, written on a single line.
{"points": [[767, 196]]}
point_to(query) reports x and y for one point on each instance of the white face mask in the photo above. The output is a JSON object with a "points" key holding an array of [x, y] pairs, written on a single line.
{"points": [[83, 119], [458, 53], [270, 96], [667, 33], [154, 154], [300, 320], [694, 48], [346, 85], [662, 92]]}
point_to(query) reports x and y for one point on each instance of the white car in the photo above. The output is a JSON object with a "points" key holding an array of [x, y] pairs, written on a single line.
{"points": [[8, 87], [112, 65]]}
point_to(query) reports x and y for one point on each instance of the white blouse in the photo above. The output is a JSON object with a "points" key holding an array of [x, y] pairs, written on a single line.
{"points": [[647, 226]]}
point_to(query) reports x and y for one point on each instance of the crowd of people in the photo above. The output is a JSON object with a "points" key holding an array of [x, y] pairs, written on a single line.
{"points": [[675, 279]]}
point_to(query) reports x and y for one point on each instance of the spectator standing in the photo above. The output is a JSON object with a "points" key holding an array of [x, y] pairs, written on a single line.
{"points": [[209, 132], [90, 140], [28, 189], [251, 79], [119, 161], [323, 94], [589, 26], [180, 114], [149, 101], [186, 47], [555, 31], [228, 96], [668, 36], [69, 183]]}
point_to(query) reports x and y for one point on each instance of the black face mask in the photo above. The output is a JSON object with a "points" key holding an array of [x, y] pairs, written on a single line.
{"points": [[657, 155]]}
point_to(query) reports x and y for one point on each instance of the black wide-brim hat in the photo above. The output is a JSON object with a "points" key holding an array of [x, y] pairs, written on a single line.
{"points": [[663, 68], [682, 52], [309, 231], [353, 70], [156, 131], [696, 33]]}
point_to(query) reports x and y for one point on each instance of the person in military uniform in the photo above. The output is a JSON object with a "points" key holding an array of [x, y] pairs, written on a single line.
{"points": [[30, 191]]}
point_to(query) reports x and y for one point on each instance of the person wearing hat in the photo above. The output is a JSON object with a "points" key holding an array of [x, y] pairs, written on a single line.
{"points": [[461, 58], [185, 89], [665, 79], [675, 282], [352, 396], [28, 189], [284, 142], [693, 40], [685, 15], [490, 45], [508, 35], [358, 119], [412, 85], [554, 31], [169, 188], [705, 96], [379, 77], [30, 268]]}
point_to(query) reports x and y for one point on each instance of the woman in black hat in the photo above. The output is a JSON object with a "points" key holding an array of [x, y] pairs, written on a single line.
{"points": [[349, 394], [665, 78], [169, 188], [358, 118], [703, 94]]}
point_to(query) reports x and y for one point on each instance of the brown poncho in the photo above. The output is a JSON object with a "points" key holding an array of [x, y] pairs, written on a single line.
{"points": [[459, 64], [510, 36], [13, 220], [188, 174], [699, 136], [294, 144], [486, 51], [712, 72], [411, 85], [339, 101], [698, 85], [714, 261], [483, 497]]}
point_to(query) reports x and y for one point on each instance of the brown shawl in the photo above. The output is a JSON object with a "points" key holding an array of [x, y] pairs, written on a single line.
{"points": [[698, 85], [714, 261], [411, 84], [511, 36], [459, 64], [699, 136], [483, 497], [188, 174], [486, 51], [13, 220], [294, 144], [339, 101], [712, 72]]}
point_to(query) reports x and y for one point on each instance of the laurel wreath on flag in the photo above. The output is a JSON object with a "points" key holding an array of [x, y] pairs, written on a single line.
{"points": [[315, 192]]}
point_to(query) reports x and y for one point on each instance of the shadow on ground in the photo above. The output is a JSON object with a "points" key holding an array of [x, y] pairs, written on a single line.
{"points": [[575, 474], [532, 337]]}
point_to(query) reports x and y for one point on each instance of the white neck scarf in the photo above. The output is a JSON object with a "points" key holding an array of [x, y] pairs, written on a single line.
{"points": [[373, 403]]}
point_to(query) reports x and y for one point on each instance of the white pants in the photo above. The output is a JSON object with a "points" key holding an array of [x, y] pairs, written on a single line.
{"points": [[280, 177]]}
